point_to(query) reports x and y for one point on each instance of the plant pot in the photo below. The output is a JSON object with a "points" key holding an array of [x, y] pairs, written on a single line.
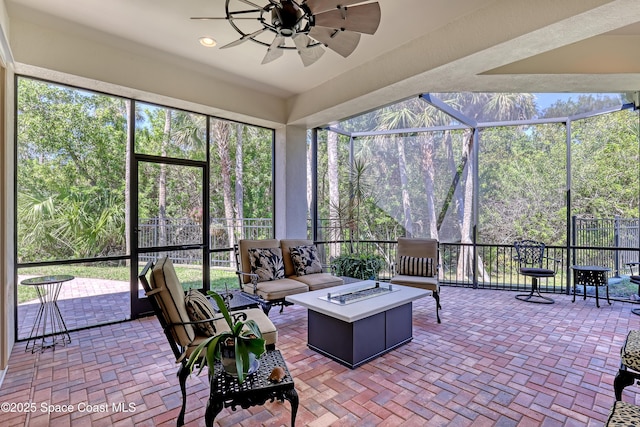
{"points": [[228, 360]]}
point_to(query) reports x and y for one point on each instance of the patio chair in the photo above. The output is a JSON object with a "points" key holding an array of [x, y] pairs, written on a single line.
{"points": [[634, 268], [530, 257], [417, 266], [629, 371], [167, 297]]}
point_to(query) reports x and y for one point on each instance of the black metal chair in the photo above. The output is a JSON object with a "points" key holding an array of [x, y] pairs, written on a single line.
{"points": [[530, 256], [634, 267], [629, 371]]}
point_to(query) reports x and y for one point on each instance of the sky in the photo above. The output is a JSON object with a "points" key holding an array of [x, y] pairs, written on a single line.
{"points": [[544, 100]]}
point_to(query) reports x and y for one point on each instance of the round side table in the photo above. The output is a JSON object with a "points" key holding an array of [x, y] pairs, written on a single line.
{"points": [[49, 328]]}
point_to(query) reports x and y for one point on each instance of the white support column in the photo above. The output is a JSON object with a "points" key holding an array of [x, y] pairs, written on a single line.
{"points": [[7, 273], [291, 182]]}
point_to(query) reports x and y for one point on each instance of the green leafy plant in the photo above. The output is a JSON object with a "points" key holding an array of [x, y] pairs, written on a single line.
{"points": [[243, 339], [358, 266]]}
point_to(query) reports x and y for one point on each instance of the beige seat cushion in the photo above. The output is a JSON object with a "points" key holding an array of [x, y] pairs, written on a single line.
{"points": [[267, 328], [170, 297], [319, 280], [429, 283], [277, 289]]}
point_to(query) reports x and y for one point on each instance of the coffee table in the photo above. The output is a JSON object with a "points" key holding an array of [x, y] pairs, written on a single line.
{"points": [[353, 333]]}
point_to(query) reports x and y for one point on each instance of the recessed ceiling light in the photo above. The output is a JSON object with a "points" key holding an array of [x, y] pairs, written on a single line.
{"points": [[207, 42]]}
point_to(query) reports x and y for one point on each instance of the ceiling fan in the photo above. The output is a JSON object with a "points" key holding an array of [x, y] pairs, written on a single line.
{"points": [[309, 24]]}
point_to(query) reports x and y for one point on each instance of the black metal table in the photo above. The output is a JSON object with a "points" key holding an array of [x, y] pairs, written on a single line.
{"points": [[237, 300], [255, 390], [49, 326], [590, 275]]}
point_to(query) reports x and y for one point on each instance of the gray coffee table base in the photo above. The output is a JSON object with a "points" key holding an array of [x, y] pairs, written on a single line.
{"points": [[355, 343]]}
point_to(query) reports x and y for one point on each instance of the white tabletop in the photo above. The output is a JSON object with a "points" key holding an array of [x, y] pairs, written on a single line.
{"points": [[354, 311]]}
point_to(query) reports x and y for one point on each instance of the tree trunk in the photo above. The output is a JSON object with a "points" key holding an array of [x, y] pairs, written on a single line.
{"points": [[162, 182], [239, 182], [221, 132], [406, 203], [334, 195], [429, 173], [465, 260]]}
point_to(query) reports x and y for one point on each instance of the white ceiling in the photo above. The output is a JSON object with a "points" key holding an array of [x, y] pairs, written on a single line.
{"points": [[165, 25], [420, 46]]}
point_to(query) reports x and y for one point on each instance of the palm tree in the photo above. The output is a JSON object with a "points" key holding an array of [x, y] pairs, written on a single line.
{"points": [[401, 116], [221, 131]]}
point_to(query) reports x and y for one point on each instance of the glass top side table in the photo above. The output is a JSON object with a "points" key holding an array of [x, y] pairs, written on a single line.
{"points": [[48, 328]]}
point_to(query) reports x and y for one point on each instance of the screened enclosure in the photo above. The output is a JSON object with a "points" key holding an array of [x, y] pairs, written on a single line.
{"points": [[105, 184], [478, 171]]}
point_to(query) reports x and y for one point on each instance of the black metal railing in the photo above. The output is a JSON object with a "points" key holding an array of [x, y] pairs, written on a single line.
{"points": [[484, 266]]}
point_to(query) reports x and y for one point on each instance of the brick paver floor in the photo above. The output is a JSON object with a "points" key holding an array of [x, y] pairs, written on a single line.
{"points": [[83, 302], [493, 361]]}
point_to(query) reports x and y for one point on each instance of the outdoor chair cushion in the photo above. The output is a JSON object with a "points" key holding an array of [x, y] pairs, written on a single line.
{"points": [[305, 260], [630, 351], [623, 414], [266, 263], [276, 289], [267, 328], [201, 308], [416, 266], [537, 272], [428, 283], [319, 280], [171, 300]]}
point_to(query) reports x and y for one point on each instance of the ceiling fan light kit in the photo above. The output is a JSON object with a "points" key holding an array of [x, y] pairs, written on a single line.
{"points": [[311, 25]]}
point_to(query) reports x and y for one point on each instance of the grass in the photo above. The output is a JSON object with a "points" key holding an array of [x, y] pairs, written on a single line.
{"points": [[191, 277]]}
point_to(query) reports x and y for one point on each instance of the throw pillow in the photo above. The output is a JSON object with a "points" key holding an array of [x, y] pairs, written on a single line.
{"points": [[305, 260], [266, 263], [413, 266], [198, 308]]}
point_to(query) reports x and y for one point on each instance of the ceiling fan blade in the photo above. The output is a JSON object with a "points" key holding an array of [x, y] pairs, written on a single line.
{"points": [[207, 18], [250, 3], [274, 52], [317, 6], [232, 15], [361, 19], [244, 38], [342, 42], [308, 55]]}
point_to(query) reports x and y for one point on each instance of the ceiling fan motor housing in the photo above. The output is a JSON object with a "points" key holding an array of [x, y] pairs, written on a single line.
{"points": [[286, 18]]}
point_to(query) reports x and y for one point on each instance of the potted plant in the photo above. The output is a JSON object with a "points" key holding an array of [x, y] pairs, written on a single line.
{"points": [[358, 266], [237, 349]]}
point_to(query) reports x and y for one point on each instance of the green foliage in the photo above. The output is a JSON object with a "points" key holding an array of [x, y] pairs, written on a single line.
{"points": [[358, 266], [245, 336], [72, 149]]}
